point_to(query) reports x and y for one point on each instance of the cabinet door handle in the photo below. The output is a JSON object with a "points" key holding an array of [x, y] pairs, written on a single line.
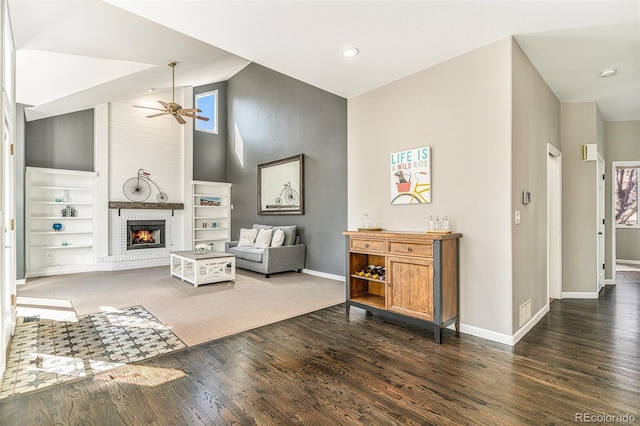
{"points": [[409, 249], [366, 246]]}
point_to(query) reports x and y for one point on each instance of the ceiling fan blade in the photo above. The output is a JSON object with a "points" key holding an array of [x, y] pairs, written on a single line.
{"points": [[164, 104], [191, 110], [157, 115], [156, 109], [180, 119], [192, 115]]}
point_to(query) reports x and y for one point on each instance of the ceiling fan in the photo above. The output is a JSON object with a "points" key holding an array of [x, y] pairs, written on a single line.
{"points": [[172, 108]]}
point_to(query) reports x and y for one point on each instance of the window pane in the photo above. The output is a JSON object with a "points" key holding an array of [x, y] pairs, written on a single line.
{"points": [[207, 103], [626, 196]]}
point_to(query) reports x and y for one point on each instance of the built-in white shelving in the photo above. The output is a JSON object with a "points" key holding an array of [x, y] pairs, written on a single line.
{"points": [[66, 197], [211, 213]]}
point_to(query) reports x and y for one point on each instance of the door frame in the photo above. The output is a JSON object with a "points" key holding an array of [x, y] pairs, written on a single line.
{"points": [[554, 236], [601, 214], [614, 166]]}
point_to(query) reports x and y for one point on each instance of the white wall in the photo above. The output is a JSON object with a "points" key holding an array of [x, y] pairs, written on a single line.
{"points": [[154, 144], [462, 110]]}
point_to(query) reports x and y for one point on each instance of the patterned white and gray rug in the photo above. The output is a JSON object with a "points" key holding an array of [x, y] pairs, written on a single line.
{"points": [[45, 353]]}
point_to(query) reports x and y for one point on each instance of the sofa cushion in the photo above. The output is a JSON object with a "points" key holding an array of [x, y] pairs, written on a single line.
{"points": [[238, 251], [289, 234], [253, 255], [278, 238], [259, 227], [263, 240], [247, 237]]}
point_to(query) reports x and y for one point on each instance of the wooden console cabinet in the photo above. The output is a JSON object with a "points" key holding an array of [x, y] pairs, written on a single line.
{"points": [[420, 281]]}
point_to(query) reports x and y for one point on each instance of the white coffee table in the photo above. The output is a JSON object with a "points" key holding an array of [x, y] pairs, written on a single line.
{"points": [[210, 267]]}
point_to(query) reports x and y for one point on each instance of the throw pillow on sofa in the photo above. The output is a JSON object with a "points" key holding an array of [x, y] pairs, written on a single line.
{"points": [[263, 240], [278, 238], [289, 234], [247, 237]]}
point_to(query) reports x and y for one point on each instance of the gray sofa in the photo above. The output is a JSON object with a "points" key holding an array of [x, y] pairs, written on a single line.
{"points": [[288, 257]]}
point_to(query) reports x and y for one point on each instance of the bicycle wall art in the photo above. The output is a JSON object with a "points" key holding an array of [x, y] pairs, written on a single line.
{"points": [[281, 186], [411, 176]]}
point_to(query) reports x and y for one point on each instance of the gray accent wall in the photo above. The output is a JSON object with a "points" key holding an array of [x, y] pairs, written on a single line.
{"points": [[61, 142], [276, 117], [209, 149]]}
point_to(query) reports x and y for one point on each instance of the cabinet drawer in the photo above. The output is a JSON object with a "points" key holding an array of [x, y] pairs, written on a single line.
{"points": [[411, 248], [375, 246]]}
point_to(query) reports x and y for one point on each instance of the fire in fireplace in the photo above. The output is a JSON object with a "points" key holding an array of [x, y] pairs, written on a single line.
{"points": [[145, 234]]}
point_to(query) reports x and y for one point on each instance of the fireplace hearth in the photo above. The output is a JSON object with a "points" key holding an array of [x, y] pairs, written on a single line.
{"points": [[145, 234]]}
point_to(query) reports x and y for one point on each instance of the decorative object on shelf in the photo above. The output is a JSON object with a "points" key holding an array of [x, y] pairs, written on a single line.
{"points": [[411, 176], [68, 212], [214, 224], [137, 189], [65, 196], [202, 248], [210, 201], [368, 224], [438, 226], [64, 243], [281, 186], [57, 227], [58, 200]]}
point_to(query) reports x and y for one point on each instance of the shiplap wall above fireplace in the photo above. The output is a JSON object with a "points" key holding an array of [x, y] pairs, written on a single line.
{"points": [[153, 144]]}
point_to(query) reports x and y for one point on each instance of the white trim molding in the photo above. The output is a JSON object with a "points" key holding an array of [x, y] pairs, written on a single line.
{"points": [[324, 275], [579, 295], [505, 339]]}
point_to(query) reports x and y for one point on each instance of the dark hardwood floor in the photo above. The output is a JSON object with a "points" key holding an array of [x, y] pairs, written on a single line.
{"points": [[324, 368]]}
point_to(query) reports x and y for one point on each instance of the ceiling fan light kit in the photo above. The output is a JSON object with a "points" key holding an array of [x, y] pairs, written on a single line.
{"points": [[172, 108]]}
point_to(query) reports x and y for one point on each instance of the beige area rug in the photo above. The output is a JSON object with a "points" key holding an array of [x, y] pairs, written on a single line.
{"points": [[199, 314]]}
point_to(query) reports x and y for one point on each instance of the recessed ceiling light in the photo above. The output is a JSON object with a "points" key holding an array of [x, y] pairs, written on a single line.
{"points": [[608, 72], [350, 52], [151, 90]]}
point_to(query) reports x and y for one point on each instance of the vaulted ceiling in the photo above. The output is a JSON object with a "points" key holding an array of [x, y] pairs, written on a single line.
{"points": [[72, 55]]}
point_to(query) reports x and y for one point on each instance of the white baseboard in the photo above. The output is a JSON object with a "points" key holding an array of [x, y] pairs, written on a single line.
{"points": [[628, 262], [505, 339], [22, 281], [60, 270], [132, 264], [486, 334], [579, 295], [324, 275], [530, 324], [609, 281]]}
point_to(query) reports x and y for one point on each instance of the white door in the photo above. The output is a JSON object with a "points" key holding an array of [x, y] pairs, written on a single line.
{"points": [[554, 223], [600, 224]]}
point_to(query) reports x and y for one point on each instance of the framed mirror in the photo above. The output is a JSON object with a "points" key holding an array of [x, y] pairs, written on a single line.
{"points": [[281, 186]]}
